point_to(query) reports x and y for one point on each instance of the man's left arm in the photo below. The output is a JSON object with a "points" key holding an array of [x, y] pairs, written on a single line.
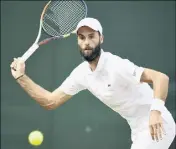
{"points": [[160, 82]]}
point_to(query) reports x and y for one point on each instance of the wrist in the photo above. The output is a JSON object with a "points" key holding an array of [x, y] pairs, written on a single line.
{"points": [[19, 77], [157, 105]]}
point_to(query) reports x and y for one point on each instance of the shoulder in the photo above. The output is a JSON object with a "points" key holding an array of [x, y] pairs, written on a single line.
{"points": [[116, 59], [112, 58], [118, 63], [80, 70]]}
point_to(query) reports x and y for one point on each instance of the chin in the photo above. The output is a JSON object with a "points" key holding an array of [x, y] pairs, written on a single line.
{"points": [[88, 52], [88, 55]]}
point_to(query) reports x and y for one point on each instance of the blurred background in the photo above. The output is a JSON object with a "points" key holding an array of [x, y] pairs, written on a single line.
{"points": [[142, 31]]}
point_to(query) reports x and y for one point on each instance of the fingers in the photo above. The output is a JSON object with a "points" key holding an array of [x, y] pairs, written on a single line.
{"points": [[13, 64], [162, 129], [157, 131], [152, 132], [17, 63]]}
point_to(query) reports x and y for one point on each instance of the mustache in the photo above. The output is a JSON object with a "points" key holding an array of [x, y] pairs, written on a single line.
{"points": [[88, 48]]}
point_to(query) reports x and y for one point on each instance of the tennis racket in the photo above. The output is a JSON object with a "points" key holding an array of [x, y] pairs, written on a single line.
{"points": [[58, 20]]}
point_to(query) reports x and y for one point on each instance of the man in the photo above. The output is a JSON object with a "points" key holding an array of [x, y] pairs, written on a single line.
{"points": [[118, 83]]}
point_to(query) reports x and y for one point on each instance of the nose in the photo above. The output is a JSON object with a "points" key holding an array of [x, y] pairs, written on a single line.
{"points": [[86, 42]]}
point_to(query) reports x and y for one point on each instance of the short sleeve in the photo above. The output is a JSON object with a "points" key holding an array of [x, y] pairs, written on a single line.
{"points": [[72, 84], [128, 70], [132, 71]]}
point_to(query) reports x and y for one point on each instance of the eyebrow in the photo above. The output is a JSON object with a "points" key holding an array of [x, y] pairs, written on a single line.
{"points": [[88, 34]]}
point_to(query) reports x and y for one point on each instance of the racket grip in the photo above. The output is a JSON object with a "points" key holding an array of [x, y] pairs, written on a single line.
{"points": [[29, 52]]}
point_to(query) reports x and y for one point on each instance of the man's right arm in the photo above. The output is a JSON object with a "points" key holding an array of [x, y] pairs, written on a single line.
{"points": [[48, 100]]}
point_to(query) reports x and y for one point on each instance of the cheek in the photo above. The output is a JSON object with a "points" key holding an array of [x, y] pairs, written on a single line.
{"points": [[95, 43], [81, 45]]}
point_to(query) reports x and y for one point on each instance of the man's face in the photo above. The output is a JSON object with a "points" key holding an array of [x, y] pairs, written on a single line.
{"points": [[89, 42]]}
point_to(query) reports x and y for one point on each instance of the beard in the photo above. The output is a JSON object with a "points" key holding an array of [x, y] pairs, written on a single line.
{"points": [[90, 54]]}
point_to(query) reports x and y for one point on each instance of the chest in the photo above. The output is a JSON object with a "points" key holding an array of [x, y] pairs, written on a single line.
{"points": [[107, 85]]}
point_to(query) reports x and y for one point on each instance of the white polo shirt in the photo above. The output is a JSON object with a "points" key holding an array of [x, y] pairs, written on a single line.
{"points": [[115, 82]]}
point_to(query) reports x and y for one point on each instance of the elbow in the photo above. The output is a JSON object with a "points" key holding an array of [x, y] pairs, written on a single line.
{"points": [[51, 104], [50, 107], [164, 77]]}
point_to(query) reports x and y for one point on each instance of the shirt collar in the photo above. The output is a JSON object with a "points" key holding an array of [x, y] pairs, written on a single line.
{"points": [[99, 65]]}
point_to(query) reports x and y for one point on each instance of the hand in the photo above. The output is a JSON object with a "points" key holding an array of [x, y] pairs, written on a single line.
{"points": [[17, 67], [156, 125]]}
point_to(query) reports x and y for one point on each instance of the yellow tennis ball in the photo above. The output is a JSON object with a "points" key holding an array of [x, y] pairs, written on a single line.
{"points": [[35, 138]]}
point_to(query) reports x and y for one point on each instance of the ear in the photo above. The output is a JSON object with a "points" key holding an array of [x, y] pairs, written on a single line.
{"points": [[101, 39]]}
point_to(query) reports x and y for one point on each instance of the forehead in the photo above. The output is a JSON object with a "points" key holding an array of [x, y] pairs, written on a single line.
{"points": [[85, 29]]}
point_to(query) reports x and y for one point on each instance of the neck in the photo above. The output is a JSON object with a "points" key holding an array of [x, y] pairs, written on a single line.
{"points": [[93, 64]]}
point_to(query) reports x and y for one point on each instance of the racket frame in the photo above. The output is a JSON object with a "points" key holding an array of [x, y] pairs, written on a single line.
{"points": [[36, 44]]}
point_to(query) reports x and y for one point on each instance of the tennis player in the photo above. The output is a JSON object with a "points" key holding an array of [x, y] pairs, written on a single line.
{"points": [[117, 82]]}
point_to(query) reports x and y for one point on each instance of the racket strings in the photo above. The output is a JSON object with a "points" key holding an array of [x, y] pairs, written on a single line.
{"points": [[61, 17], [70, 16], [72, 7], [51, 30], [71, 22]]}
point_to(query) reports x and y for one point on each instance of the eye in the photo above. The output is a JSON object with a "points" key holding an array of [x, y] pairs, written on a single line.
{"points": [[91, 36], [81, 37]]}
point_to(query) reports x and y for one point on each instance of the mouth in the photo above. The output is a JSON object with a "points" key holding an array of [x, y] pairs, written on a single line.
{"points": [[88, 49]]}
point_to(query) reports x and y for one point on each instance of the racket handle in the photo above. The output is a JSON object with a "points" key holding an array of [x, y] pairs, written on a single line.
{"points": [[29, 52]]}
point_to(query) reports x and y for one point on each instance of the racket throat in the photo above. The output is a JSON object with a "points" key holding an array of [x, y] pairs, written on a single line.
{"points": [[45, 41]]}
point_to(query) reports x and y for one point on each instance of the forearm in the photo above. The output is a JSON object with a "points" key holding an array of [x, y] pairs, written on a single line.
{"points": [[160, 87], [35, 91]]}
